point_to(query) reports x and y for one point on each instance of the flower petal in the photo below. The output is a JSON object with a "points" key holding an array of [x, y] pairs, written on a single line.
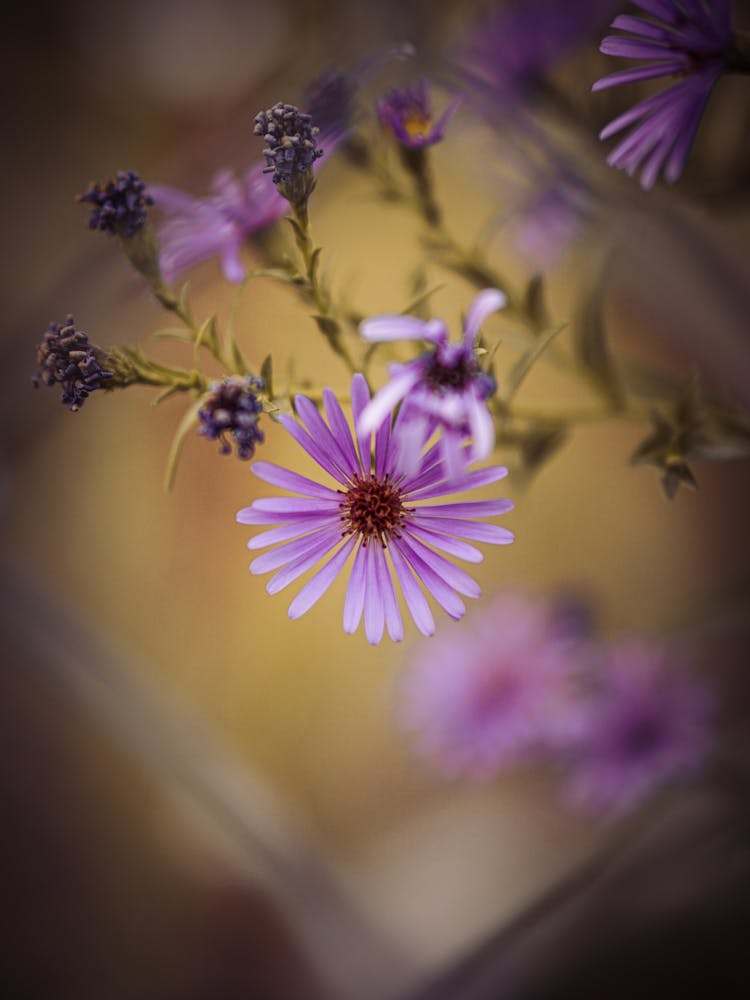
{"points": [[485, 303], [398, 327], [319, 584], [384, 401], [355, 592], [374, 607], [287, 480], [416, 602]]}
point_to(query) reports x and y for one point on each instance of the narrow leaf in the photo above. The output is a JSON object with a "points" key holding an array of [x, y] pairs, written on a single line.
{"points": [[591, 346], [523, 366], [266, 373], [189, 420]]}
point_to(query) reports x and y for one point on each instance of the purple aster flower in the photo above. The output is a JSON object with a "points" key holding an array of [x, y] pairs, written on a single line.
{"points": [[66, 358], [233, 408], [407, 116], [685, 38], [383, 516], [196, 229], [496, 691], [644, 724], [119, 206], [444, 388]]}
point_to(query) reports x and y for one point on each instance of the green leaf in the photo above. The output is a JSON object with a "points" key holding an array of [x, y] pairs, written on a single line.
{"points": [[590, 342], [189, 420], [540, 443], [533, 302], [327, 326], [413, 308], [184, 304], [266, 373], [314, 262], [523, 366], [174, 334]]}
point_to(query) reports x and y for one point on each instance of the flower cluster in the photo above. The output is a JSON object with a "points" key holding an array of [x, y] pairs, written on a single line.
{"points": [[66, 358], [524, 682], [290, 138], [120, 207], [233, 408]]}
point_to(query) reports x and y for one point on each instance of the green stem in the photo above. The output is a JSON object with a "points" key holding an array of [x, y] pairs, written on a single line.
{"points": [[327, 323]]}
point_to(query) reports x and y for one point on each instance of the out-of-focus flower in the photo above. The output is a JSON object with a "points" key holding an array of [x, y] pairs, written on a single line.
{"points": [[330, 100], [218, 225], [496, 691], [444, 387], [406, 115], [291, 148], [233, 408], [66, 358], [377, 512], [685, 38], [514, 45], [645, 723], [120, 207], [546, 221]]}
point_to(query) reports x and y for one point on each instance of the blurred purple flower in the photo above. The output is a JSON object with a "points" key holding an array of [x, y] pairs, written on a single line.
{"points": [[515, 44], [443, 388], [407, 116], [375, 511], [496, 691], [546, 221], [644, 724], [218, 225], [686, 38]]}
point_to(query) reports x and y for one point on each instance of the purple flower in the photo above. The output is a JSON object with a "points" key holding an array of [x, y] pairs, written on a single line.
{"points": [[517, 43], [232, 407], [444, 388], [685, 38], [376, 512], [119, 206], [196, 229], [66, 358], [495, 691], [406, 115], [547, 221], [644, 724]]}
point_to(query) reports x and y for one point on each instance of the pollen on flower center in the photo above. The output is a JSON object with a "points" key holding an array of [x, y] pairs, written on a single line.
{"points": [[455, 376], [373, 508]]}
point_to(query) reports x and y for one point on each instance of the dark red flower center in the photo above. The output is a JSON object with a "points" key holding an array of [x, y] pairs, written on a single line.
{"points": [[372, 508]]}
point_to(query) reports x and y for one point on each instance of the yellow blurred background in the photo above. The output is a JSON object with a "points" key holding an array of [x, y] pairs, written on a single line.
{"points": [[423, 867]]}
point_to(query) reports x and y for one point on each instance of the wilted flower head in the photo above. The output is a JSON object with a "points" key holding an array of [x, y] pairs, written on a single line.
{"points": [[376, 511], [66, 358], [444, 388], [233, 408], [683, 38], [119, 206], [218, 225], [496, 690], [407, 116], [291, 148], [645, 723]]}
